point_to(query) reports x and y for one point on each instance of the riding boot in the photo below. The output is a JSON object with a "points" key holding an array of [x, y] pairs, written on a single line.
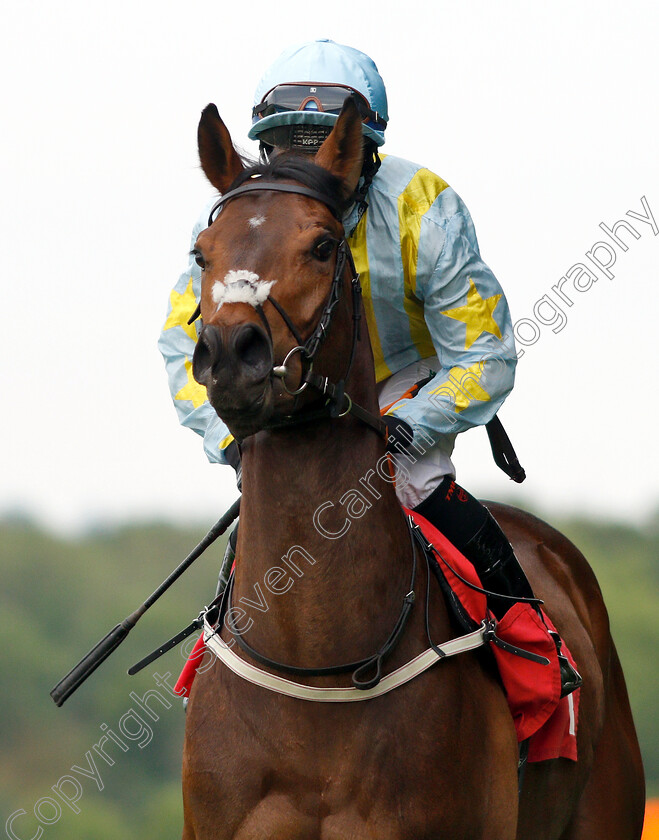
{"points": [[473, 530], [227, 562]]}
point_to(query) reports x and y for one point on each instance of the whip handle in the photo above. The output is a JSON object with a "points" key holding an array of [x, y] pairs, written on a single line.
{"points": [[98, 654]]}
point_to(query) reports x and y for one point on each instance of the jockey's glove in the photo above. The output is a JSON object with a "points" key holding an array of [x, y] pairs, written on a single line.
{"points": [[399, 434]]}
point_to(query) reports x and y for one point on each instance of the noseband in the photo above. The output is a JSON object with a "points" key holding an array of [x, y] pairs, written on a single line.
{"points": [[338, 402]]}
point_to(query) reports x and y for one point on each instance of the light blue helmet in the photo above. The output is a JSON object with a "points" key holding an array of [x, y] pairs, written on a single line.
{"points": [[306, 87]]}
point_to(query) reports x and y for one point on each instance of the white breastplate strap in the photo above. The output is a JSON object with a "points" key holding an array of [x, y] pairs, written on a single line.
{"points": [[338, 695]]}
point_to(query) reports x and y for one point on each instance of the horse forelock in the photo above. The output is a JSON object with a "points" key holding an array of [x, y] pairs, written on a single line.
{"points": [[295, 167]]}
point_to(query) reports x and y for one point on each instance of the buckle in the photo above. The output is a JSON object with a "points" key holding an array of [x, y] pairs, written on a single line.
{"points": [[489, 625], [489, 635]]}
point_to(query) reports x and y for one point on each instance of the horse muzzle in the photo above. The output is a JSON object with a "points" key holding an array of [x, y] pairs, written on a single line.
{"points": [[235, 364]]}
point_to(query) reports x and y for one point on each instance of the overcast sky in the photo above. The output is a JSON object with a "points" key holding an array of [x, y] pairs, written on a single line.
{"points": [[543, 117]]}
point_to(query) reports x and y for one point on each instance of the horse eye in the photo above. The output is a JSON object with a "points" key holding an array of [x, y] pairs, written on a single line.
{"points": [[324, 249], [199, 259]]}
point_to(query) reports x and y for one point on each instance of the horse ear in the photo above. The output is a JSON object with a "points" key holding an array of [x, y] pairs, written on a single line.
{"points": [[343, 151], [219, 160]]}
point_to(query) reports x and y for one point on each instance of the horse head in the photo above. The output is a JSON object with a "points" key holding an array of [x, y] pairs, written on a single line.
{"points": [[274, 266]]}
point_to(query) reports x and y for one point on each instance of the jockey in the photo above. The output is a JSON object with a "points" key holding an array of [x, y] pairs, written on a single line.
{"points": [[439, 323]]}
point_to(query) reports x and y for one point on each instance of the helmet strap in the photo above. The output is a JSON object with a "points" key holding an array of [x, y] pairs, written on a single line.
{"points": [[370, 168]]}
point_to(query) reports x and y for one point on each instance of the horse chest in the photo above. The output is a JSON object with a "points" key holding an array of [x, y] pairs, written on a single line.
{"points": [[332, 773], [279, 817]]}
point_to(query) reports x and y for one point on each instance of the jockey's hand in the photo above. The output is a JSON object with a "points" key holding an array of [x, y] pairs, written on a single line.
{"points": [[232, 455], [399, 434]]}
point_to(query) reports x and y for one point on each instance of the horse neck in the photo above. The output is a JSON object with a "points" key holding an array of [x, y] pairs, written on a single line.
{"points": [[300, 486]]}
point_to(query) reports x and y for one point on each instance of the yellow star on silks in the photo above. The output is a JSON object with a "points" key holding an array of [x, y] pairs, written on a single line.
{"points": [[182, 308], [476, 314], [192, 390]]}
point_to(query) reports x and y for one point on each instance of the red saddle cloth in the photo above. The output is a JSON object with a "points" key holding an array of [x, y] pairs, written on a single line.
{"points": [[532, 689]]}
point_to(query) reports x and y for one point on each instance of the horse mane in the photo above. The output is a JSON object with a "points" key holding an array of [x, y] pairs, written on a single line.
{"points": [[290, 166]]}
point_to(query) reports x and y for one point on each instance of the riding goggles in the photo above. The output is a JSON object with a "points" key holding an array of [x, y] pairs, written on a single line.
{"points": [[314, 98]]}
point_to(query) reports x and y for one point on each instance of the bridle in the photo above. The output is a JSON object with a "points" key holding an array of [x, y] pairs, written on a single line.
{"points": [[337, 403]]}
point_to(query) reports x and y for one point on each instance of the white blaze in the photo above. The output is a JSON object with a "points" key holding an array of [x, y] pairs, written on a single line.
{"points": [[256, 221], [241, 286]]}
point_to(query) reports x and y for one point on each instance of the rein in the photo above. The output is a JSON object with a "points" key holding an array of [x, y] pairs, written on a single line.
{"points": [[360, 668], [363, 689], [219, 613]]}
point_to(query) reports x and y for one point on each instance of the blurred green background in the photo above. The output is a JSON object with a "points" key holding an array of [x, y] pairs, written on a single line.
{"points": [[60, 595]]}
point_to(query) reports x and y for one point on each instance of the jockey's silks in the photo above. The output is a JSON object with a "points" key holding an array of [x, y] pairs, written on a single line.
{"points": [[426, 292]]}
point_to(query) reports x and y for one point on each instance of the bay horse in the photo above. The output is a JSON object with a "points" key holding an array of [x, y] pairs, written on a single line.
{"points": [[435, 759]]}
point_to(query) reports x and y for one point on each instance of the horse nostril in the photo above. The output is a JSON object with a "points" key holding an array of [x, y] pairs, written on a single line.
{"points": [[252, 348], [206, 355]]}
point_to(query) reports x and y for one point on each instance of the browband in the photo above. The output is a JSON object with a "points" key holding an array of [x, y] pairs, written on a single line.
{"points": [[275, 186]]}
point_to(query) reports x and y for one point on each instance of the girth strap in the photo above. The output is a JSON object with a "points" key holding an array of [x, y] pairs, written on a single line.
{"points": [[388, 683]]}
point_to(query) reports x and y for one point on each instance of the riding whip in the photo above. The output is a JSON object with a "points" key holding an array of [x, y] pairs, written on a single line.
{"points": [[100, 652]]}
